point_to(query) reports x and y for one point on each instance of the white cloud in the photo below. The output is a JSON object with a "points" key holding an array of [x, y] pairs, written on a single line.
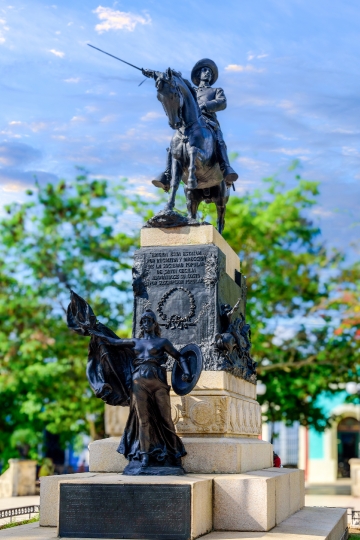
{"points": [[78, 119], [252, 56], [57, 53], [118, 20], [239, 68], [2, 37], [14, 187], [109, 118], [349, 151], [292, 151], [152, 115], [322, 212], [38, 126], [73, 80], [15, 123]]}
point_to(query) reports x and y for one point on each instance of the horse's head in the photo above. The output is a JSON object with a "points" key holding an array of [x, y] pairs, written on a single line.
{"points": [[169, 93]]}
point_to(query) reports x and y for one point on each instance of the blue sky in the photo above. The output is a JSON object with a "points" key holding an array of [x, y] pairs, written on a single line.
{"points": [[290, 71]]}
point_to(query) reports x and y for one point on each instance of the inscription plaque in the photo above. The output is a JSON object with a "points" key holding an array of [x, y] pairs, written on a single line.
{"points": [[187, 287], [149, 511]]}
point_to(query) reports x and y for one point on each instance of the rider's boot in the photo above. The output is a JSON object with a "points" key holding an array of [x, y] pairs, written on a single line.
{"points": [[229, 175], [164, 179]]}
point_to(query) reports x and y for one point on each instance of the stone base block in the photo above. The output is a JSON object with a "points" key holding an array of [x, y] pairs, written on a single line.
{"points": [[220, 405], [49, 497], [225, 455], [103, 456], [179, 508], [257, 500]]}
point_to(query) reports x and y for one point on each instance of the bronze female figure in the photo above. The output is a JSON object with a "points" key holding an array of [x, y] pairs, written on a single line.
{"points": [[132, 372]]}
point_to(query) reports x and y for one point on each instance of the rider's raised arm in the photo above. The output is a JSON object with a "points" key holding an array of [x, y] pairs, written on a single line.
{"points": [[217, 104], [150, 73]]}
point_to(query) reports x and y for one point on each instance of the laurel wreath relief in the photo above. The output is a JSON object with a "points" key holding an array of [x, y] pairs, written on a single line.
{"points": [[176, 321]]}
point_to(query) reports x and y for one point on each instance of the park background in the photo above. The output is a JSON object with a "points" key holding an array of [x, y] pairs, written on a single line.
{"points": [[80, 143]]}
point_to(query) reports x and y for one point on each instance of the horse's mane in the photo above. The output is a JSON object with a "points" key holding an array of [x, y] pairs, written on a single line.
{"points": [[190, 87]]}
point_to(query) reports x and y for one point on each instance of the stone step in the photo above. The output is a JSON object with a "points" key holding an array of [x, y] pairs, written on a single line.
{"points": [[254, 501], [310, 523]]}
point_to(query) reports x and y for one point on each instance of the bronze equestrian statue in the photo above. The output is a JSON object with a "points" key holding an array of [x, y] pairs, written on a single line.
{"points": [[210, 100], [197, 154]]}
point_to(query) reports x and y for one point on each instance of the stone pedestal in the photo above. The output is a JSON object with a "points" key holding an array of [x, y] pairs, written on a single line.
{"points": [[186, 276]]}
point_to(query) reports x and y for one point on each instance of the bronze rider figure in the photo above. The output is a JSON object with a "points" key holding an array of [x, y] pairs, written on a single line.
{"points": [[210, 100]]}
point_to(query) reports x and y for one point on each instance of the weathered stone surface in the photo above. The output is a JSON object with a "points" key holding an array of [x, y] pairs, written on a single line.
{"points": [[49, 497], [103, 455], [290, 496], [115, 420], [244, 502], [226, 455]]}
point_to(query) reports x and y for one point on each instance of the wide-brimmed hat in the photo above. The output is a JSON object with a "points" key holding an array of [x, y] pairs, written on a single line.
{"points": [[205, 62]]}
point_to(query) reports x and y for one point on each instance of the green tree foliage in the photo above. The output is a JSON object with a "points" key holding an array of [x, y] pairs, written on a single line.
{"points": [[70, 235], [295, 306], [78, 235]]}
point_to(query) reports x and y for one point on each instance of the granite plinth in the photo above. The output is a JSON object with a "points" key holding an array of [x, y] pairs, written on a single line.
{"points": [[307, 524], [175, 508], [205, 455], [253, 501]]}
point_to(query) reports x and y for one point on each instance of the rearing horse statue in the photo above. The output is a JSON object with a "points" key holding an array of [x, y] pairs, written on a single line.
{"points": [[193, 153]]}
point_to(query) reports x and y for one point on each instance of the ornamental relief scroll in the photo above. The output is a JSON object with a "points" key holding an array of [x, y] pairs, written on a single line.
{"points": [[224, 415]]}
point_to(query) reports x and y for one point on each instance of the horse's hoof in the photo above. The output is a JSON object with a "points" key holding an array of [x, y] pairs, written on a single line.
{"points": [[230, 176], [159, 184], [192, 221]]}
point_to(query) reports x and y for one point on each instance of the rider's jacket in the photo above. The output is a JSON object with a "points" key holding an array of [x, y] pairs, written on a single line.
{"points": [[213, 98]]}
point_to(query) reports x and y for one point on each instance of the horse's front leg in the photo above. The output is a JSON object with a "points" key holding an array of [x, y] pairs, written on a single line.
{"points": [[192, 203], [221, 201], [176, 174], [194, 153]]}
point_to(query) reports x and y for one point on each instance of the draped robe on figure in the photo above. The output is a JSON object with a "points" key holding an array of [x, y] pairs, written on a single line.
{"points": [[118, 377]]}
